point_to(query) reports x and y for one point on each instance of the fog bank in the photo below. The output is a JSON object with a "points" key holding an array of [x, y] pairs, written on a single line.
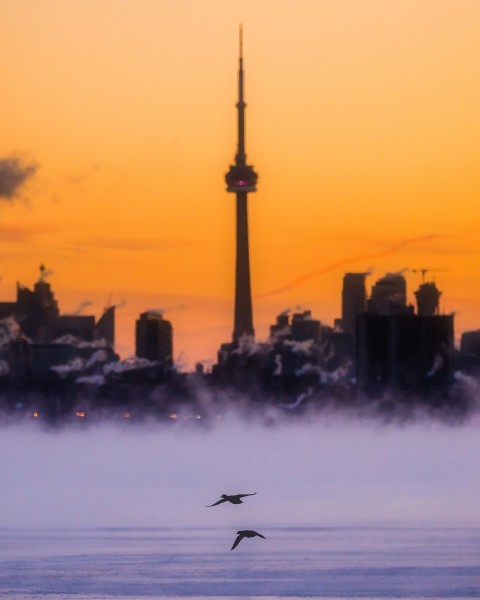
{"points": [[323, 473]]}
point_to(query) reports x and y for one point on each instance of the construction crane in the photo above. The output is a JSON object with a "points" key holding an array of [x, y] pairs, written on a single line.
{"points": [[426, 270]]}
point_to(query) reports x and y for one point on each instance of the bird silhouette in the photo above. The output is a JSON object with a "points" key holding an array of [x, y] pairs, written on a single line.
{"points": [[233, 499], [246, 533]]}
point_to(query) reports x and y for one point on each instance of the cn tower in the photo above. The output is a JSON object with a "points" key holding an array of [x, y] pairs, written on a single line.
{"points": [[241, 179]]}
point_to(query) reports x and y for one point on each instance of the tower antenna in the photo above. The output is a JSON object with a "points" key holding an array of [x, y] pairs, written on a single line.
{"points": [[240, 40]]}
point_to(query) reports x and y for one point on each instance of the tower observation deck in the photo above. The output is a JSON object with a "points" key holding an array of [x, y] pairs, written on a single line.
{"points": [[241, 179]]}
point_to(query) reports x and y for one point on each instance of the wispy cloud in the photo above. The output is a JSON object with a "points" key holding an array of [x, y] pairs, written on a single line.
{"points": [[393, 249], [24, 233], [78, 179], [14, 172], [135, 244]]}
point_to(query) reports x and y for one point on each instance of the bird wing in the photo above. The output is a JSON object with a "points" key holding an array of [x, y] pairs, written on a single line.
{"points": [[215, 504], [240, 537], [260, 535], [243, 495]]}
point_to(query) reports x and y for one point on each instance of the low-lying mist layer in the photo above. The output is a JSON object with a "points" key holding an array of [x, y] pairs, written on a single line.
{"points": [[322, 471]]}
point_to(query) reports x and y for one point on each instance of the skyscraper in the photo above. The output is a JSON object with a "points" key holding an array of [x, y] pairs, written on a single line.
{"points": [[389, 295], [241, 179], [428, 299], [354, 299], [105, 328], [405, 352], [154, 338]]}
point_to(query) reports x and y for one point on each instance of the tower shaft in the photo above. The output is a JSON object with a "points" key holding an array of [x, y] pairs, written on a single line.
{"points": [[243, 323]]}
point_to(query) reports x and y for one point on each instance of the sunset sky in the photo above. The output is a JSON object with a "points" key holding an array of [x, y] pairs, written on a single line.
{"points": [[363, 123]]}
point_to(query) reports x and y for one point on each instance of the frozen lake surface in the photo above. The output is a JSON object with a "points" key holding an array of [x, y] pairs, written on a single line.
{"points": [[298, 562]]}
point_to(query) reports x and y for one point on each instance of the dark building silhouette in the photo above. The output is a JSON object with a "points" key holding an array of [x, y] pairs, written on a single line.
{"points": [[300, 327], [41, 345], [468, 358], [7, 309], [304, 327], [354, 299], [18, 357], [154, 338], [241, 179], [405, 352], [428, 299], [470, 344], [105, 328], [37, 310], [39, 318], [389, 296], [294, 352], [79, 326], [281, 328]]}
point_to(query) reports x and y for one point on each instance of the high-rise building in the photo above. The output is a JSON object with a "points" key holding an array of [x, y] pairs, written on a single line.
{"points": [[81, 327], [405, 352], [470, 343], [281, 327], [354, 299], [241, 179], [389, 295], [154, 338], [39, 318], [428, 299], [105, 328], [37, 310], [304, 327], [301, 327]]}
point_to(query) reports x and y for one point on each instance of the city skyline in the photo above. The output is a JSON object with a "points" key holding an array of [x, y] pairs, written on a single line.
{"points": [[363, 125]]}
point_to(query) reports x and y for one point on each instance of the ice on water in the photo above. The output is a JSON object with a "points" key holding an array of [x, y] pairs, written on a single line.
{"points": [[335, 562]]}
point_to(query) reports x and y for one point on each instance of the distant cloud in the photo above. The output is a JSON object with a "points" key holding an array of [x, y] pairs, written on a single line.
{"points": [[393, 249], [13, 174], [23, 233], [136, 244], [79, 178]]}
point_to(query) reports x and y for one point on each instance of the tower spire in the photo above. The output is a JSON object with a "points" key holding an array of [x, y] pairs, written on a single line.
{"points": [[241, 179], [240, 158], [240, 41]]}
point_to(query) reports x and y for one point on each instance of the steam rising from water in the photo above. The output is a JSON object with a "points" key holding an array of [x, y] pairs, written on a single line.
{"points": [[323, 473]]}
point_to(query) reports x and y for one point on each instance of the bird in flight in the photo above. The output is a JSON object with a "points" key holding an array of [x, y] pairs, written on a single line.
{"points": [[233, 499], [246, 533]]}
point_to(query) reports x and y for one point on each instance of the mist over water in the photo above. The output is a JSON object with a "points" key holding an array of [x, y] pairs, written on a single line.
{"points": [[320, 472]]}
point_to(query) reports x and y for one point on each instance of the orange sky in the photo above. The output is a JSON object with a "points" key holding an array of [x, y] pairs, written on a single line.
{"points": [[363, 122]]}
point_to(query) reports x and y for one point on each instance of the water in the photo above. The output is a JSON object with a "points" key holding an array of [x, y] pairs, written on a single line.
{"points": [[297, 562]]}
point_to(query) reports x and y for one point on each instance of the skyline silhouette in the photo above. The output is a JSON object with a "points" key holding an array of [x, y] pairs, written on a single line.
{"points": [[362, 142]]}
